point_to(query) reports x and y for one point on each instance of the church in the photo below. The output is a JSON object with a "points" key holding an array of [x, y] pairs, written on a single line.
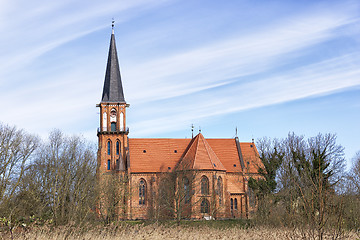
{"points": [[166, 178]]}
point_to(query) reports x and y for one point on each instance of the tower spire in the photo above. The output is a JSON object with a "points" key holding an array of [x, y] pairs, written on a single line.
{"points": [[113, 90]]}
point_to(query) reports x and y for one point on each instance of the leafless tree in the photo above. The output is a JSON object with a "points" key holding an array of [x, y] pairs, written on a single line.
{"points": [[176, 191], [61, 179], [112, 193], [16, 149], [354, 176]]}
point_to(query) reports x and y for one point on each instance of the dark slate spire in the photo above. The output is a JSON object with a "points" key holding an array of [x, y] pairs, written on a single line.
{"points": [[113, 91]]}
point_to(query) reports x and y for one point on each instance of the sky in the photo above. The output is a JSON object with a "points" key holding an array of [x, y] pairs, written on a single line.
{"points": [[266, 68]]}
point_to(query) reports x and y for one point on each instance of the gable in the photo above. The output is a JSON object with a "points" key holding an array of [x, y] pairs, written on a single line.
{"points": [[200, 156]]}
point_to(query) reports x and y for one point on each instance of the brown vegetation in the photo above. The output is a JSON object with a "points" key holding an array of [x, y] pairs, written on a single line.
{"points": [[48, 191], [161, 231]]}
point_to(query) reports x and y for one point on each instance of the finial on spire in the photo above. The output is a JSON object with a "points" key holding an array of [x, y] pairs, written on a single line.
{"points": [[192, 130], [112, 25], [236, 131], [199, 129]]}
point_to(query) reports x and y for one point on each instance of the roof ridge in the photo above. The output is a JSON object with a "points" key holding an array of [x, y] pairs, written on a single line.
{"points": [[196, 149], [207, 151]]}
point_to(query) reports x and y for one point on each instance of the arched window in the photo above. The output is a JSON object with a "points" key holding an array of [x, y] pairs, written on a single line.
{"points": [[109, 148], [117, 147], [235, 203], [142, 192], [186, 189], [231, 204], [204, 185], [205, 206], [219, 189], [108, 165]]}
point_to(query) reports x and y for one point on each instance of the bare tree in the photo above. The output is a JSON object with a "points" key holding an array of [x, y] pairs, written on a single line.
{"points": [[16, 149], [112, 193], [354, 176], [176, 191], [61, 179]]}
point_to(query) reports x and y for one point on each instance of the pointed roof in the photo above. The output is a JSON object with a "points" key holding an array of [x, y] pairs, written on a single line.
{"points": [[200, 156], [113, 91]]}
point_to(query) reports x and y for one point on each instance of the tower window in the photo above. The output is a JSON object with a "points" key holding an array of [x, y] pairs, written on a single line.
{"points": [[231, 204], [109, 148], [235, 203], [144, 151], [108, 165], [117, 148], [113, 119], [113, 126]]}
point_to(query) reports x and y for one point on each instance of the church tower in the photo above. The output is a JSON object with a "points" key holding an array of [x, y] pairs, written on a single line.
{"points": [[112, 133]]}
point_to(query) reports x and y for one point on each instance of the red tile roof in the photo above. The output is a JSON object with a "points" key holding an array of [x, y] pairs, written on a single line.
{"points": [[201, 153], [159, 153]]}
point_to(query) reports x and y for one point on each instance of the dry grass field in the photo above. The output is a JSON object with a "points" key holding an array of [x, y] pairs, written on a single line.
{"points": [[160, 231]]}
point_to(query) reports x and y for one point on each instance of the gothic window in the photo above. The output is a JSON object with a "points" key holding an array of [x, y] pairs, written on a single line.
{"points": [[186, 189], [231, 204], [204, 185], [235, 203], [205, 206], [219, 189], [108, 165], [117, 148], [142, 192], [108, 147]]}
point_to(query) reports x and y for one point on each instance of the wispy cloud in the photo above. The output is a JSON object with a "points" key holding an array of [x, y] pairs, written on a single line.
{"points": [[40, 27], [321, 78], [193, 70], [181, 62]]}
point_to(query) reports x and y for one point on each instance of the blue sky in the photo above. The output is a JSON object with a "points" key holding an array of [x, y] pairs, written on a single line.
{"points": [[265, 67]]}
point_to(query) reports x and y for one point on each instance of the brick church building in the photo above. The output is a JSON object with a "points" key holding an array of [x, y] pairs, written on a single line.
{"points": [[143, 178]]}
